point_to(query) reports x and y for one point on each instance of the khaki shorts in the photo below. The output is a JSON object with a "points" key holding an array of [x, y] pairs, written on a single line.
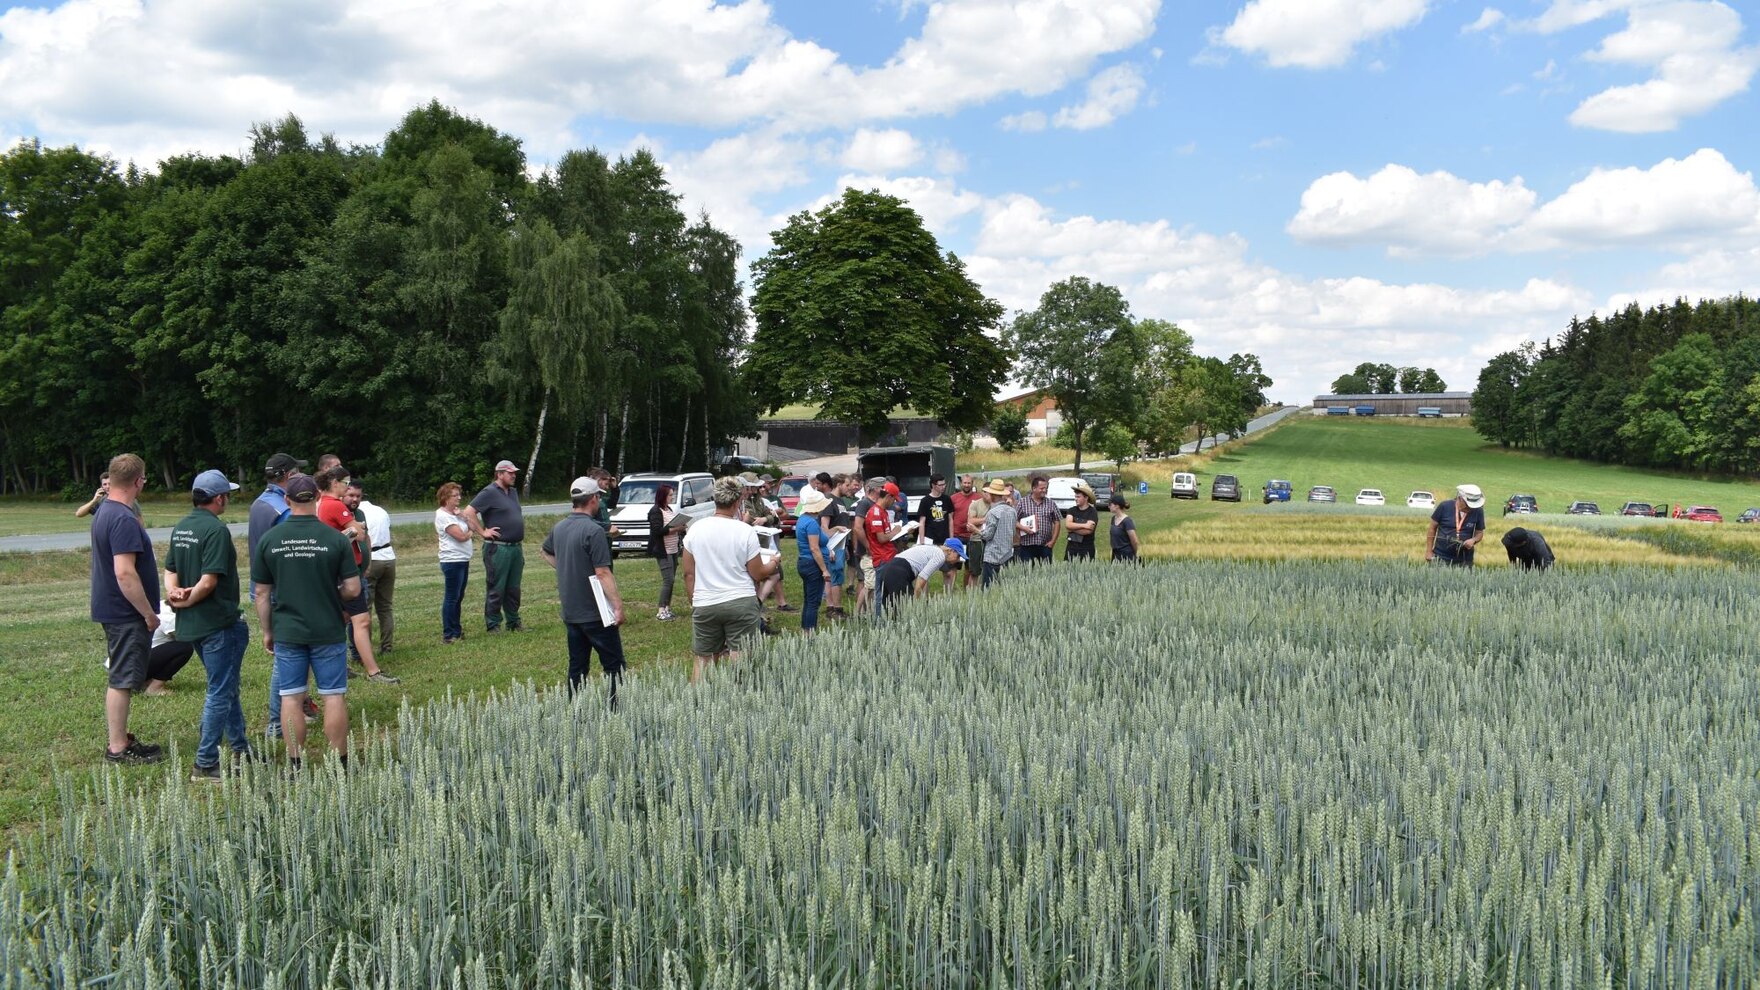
{"points": [[724, 627], [868, 573]]}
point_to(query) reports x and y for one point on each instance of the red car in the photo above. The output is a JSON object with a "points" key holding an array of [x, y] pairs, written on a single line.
{"points": [[1703, 513], [788, 492]]}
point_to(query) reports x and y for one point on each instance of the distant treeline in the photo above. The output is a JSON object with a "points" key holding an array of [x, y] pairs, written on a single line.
{"points": [[1674, 386], [421, 308]]}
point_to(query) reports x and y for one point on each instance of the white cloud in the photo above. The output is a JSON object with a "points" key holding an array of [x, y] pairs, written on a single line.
{"points": [[729, 178], [142, 79], [1489, 18], [1314, 34], [1675, 204], [1408, 212], [1690, 48], [1712, 274], [881, 150], [1112, 93], [940, 202], [1027, 122]]}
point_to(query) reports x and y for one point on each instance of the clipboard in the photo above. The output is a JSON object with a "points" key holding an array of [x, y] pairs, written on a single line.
{"points": [[837, 540], [607, 614]]}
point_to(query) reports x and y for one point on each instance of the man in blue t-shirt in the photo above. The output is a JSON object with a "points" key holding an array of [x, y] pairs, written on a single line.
{"points": [[1456, 527], [125, 601]]}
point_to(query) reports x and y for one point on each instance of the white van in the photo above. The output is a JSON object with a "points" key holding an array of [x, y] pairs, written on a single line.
{"points": [[1185, 485]]}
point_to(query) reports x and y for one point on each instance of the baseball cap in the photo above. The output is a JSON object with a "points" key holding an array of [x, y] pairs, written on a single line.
{"points": [[281, 464], [211, 483], [891, 489], [506, 465], [1471, 493], [957, 545], [302, 488], [582, 487]]}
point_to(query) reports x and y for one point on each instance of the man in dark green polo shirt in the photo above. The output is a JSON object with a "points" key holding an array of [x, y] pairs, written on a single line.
{"points": [[496, 516], [310, 568], [203, 588]]}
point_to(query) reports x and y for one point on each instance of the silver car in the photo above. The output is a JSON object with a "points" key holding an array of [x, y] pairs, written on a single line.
{"points": [[1322, 493]]}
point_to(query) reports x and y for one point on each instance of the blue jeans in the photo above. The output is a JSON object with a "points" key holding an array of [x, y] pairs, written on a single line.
{"points": [[222, 654], [812, 592], [456, 573], [992, 573]]}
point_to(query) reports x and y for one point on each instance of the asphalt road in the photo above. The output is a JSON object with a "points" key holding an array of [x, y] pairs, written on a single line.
{"points": [[82, 539]]}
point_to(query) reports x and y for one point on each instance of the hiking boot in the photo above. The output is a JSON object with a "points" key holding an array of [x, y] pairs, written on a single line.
{"points": [[380, 677], [206, 774]]}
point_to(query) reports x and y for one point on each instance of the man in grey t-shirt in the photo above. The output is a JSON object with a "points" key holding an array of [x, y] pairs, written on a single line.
{"points": [[581, 553], [496, 516]]}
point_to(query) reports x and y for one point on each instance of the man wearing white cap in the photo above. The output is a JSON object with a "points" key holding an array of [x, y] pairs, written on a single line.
{"points": [[1456, 527], [496, 516], [592, 608], [202, 585]]}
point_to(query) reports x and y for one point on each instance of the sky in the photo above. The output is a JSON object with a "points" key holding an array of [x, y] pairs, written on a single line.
{"points": [[1318, 182]]}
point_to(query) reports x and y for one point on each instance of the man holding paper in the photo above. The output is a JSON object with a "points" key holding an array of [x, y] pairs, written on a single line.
{"points": [[592, 608]]}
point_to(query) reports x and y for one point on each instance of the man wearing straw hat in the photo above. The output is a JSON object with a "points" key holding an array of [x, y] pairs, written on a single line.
{"points": [[1080, 522], [1456, 527], [997, 530]]}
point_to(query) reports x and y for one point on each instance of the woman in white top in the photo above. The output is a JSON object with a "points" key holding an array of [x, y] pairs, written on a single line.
{"points": [[456, 550]]}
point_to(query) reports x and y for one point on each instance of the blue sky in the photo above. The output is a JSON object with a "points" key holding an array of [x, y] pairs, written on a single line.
{"points": [[1321, 182]]}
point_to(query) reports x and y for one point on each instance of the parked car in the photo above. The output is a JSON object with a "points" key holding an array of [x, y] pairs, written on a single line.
{"points": [[1225, 488], [1751, 515], [692, 495], [1062, 493], [738, 463], [788, 492], [1277, 491], [1185, 485], [1520, 504], [1637, 509], [1702, 513], [1104, 485], [1371, 496], [1583, 509], [1322, 493], [1421, 500]]}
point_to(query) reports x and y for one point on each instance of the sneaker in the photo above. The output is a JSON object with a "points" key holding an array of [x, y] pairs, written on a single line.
{"points": [[785, 608], [380, 677], [209, 774], [135, 752], [666, 615]]}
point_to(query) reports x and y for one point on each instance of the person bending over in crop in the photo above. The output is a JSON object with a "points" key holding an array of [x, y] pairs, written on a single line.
{"points": [[1456, 527], [911, 570], [1527, 548]]}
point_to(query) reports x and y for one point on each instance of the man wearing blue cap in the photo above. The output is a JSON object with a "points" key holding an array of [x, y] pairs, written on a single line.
{"points": [[203, 587], [912, 569]]}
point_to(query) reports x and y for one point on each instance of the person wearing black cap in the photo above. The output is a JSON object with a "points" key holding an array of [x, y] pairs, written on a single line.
{"points": [[592, 608], [496, 516], [202, 585], [1527, 548]]}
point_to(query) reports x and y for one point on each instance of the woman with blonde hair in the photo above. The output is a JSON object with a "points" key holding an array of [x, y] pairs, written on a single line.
{"points": [[456, 551]]}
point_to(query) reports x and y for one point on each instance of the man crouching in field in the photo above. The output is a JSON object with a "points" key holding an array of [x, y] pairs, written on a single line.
{"points": [[310, 568], [1456, 527]]}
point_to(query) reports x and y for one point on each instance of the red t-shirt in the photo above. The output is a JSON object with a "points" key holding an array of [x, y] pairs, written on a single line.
{"points": [[879, 523], [336, 514], [962, 526]]}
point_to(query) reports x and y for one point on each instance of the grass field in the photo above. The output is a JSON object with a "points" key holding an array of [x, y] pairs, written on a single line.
{"points": [[51, 655]]}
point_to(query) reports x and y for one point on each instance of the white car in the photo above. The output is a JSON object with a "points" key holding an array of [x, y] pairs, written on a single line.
{"points": [[1185, 485], [1421, 500], [1371, 496], [1062, 492], [692, 496]]}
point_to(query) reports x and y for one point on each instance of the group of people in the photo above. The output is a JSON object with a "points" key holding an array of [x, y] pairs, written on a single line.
{"points": [[321, 566], [1457, 527]]}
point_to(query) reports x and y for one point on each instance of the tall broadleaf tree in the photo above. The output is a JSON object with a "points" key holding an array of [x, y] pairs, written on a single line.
{"points": [[1081, 346], [858, 312]]}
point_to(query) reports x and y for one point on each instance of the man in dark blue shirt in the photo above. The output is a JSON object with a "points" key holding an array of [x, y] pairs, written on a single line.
{"points": [[125, 601], [1456, 527]]}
